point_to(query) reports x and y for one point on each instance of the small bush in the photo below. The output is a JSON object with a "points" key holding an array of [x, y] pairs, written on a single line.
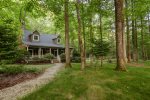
{"points": [[76, 59], [15, 69], [49, 56], [36, 58], [3, 62], [21, 56], [63, 57]]}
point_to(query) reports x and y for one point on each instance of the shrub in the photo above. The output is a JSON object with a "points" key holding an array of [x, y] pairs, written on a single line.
{"points": [[8, 40], [3, 62], [21, 56], [36, 60], [15, 69], [76, 59], [63, 57], [49, 56], [76, 53], [16, 56]]}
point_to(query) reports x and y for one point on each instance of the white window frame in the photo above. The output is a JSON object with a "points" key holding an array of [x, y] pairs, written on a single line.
{"points": [[35, 39]]}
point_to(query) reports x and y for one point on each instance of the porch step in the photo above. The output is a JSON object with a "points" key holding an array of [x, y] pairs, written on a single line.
{"points": [[55, 61]]}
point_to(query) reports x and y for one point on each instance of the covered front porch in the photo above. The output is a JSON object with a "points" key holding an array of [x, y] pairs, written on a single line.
{"points": [[41, 51]]}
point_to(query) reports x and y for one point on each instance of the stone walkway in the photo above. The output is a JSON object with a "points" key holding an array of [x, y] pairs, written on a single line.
{"points": [[21, 89]]}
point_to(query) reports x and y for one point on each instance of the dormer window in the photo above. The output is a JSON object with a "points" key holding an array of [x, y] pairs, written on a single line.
{"points": [[58, 40], [35, 37]]}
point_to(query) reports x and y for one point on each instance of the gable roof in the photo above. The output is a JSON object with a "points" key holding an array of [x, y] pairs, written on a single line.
{"points": [[46, 40]]}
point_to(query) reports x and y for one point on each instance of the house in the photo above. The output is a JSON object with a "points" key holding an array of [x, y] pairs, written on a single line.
{"points": [[39, 44]]}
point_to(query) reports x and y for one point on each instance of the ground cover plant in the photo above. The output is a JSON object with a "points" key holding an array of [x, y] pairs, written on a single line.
{"points": [[97, 83], [15, 69], [14, 74]]}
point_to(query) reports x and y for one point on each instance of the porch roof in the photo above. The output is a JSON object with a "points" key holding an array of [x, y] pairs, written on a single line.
{"points": [[43, 44]]}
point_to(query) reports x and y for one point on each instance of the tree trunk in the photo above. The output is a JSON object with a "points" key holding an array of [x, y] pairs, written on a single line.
{"points": [[142, 41], [134, 35], [148, 23], [136, 43], [83, 31], [22, 15], [124, 43], [67, 49], [80, 35], [101, 35], [119, 31], [128, 36], [91, 40]]}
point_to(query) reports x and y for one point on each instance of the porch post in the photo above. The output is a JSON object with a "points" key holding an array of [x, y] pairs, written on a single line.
{"points": [[39, 52], [50, 51], [32, 53], [58, 57], [27, 48], [57, 52]]}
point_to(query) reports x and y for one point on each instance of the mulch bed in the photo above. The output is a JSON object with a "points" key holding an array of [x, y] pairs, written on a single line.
{"points": [[8, 80]]}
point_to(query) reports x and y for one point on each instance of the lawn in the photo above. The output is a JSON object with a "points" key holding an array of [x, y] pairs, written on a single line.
{"points": [[96, 84]]}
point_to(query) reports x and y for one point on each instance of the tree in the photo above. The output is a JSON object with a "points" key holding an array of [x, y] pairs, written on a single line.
{"points": [[8, 40], [67, 47], [100, 49], [119, 31], [83, 31], [80, 35], [128, 33], [134, 34]]}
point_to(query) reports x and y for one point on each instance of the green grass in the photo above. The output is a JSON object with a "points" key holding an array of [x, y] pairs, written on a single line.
{"points": [[15, 69], [147, 63], [96, 84], [39, 67]]}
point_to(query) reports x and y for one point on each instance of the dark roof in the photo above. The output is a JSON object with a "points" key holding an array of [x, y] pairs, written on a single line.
{"points": [[46, 40]]}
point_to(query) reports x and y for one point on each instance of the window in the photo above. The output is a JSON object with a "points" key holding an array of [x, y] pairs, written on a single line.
{"points": [[58, 40], [36, 37]]}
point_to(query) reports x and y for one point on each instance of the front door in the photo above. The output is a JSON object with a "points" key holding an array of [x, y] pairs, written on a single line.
{"points": [[31, 52], [55, 53]]}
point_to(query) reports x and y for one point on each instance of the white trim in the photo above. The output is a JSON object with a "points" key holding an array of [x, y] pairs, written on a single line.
{"points": [[57, 52], [50, 50], [37, 36], [27, 48], [41, 52]]}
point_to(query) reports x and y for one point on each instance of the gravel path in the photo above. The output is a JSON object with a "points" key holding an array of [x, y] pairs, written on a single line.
{"points": [[21, 89]]}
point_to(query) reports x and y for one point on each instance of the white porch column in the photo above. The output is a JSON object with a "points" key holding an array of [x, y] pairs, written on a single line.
{"points": [[39, 53], [32, 53], [58, 57], [27, 48], [57, 53], [50, 51]]}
